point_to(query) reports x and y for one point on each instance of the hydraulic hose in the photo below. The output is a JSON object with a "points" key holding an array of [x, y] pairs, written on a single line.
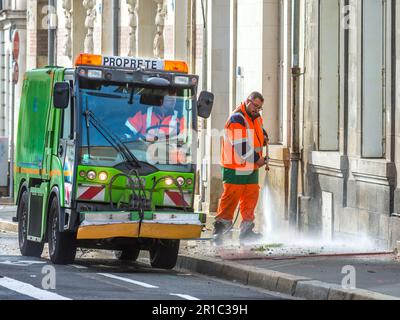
{"points": [[185, 207], [137, 196], [142, 197], [112, 183], [226, 231]]}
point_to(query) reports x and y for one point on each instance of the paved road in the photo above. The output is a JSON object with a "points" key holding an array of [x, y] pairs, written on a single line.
{"points": [[102, 277]]}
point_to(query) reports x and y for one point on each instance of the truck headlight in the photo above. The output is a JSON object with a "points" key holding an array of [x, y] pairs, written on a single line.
{"points": [[169, 182], [103, 176], [181, 181], [91, 175]]}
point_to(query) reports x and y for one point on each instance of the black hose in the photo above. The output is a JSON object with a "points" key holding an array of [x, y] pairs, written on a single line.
{"points": [[226, 231], [185, 207], [142, 197], [234, 222], [112, 183]]}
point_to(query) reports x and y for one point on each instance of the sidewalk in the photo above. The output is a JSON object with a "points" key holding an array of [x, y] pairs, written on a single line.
{"points": [[7, 213], [303, 274], [309, 276]]}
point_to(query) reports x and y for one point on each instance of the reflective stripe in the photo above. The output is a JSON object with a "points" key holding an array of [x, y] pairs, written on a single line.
{"points": [[248, 154], [148, 120], [249, 134], [239, 141], [173, 122], [132, 128], [245, 120]]}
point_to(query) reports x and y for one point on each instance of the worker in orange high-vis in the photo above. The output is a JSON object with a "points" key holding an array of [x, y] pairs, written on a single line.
{"points": [[241, 159]]}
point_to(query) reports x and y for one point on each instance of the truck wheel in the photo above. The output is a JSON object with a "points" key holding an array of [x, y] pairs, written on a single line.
{"points": [[127, 254], [164, 253], [62, 245], [27, 248]]}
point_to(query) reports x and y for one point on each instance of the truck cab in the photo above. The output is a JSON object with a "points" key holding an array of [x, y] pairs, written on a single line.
{"points": [[105, 158]]}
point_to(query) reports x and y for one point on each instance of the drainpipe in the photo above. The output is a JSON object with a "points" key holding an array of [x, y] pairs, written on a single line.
{"points": [[203, 173], [52, 10], [295, 149], [12, 136], [233, 57], [115, 26], [12, 145]]}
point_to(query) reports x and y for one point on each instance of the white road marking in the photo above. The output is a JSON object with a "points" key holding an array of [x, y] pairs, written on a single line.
{"points": [[21, 263], [142, 284], [78, 266], [29, 290], [184, 296]]}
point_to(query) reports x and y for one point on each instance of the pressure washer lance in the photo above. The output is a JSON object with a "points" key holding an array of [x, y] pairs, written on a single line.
{"points": [[267, 158], [267, 168]]}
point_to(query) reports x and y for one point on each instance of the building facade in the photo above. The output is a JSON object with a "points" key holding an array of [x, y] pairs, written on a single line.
{"points": [[12, 19], [327, 68], [350, 132]]}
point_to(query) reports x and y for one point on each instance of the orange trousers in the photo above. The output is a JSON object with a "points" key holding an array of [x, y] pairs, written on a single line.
{"points": [[246, 195]]}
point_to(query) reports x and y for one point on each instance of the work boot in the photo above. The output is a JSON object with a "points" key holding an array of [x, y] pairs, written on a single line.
{"points": [[247, 234], [221, 227]]}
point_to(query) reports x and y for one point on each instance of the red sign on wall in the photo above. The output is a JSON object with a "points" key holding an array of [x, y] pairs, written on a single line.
{"points": [[16, 45]]}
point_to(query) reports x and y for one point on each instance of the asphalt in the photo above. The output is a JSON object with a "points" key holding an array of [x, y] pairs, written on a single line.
{"points": [[304, 276], [99, 276]]}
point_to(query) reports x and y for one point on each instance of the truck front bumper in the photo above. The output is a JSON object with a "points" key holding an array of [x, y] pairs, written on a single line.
{"points": [[158, 226]]}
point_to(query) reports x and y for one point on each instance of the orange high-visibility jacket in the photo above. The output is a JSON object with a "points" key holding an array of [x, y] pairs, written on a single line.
{"points": [[169, 124], [244, 139]]}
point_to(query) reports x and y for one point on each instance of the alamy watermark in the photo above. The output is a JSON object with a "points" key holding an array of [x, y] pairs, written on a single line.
{"points": [[49, 278], [49, 20], [349, 17], [349, 280]]}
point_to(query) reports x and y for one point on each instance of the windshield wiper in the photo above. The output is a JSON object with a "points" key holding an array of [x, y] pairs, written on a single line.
{"points": [[131, 96], [115, 141]]}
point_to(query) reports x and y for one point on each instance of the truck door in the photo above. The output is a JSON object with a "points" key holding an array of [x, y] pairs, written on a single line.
{"points": [[66, 150]]}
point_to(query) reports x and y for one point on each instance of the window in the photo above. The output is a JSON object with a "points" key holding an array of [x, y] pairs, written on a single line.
{"points": [[329, 48], [373, 82]]}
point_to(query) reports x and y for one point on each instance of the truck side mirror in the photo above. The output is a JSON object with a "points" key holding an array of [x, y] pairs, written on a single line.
{"points": [[205, 104], [61, 95]]}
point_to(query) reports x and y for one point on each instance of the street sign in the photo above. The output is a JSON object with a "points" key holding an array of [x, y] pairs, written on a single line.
{"points": [[15, 76], [15, 51]]}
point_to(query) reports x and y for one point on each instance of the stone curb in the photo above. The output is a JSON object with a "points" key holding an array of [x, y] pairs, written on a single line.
{"points": [[8, 226], [274, 281]]}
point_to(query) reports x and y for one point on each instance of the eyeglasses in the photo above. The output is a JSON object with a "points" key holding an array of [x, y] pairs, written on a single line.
{"points": [[258, 107]]}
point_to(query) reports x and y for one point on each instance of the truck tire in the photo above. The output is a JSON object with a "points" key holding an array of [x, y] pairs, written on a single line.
{"points": [[164, 254], [27, 248], [62, 245], [127, 254]]}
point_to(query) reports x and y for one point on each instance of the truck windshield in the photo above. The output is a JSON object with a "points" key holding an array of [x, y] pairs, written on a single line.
{"points": [[153, 124]]}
